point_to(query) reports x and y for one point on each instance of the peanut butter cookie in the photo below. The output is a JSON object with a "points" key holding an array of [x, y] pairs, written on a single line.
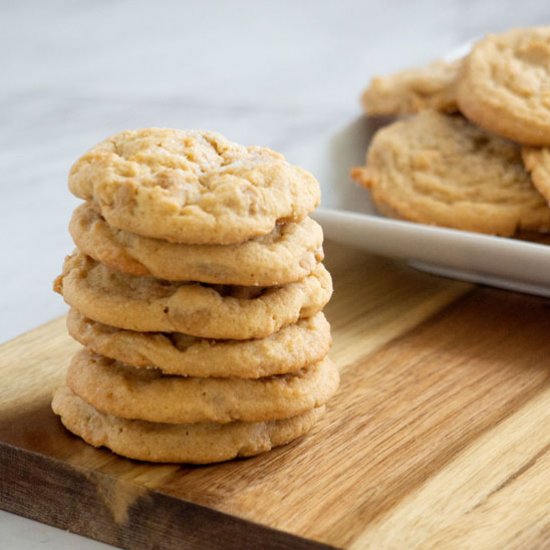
{"points": [[413, 90], [537, 163], [153, 305], [147, 394], [290, 252], [191, 187], [288, 350], [200, 443], [439, 169], [504, 86]]}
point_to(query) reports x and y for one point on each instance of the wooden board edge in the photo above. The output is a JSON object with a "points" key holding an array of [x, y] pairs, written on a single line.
{"points": [[123, 514]]}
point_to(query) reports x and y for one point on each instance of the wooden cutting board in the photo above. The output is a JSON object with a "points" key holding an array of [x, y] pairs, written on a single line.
{"points": [[438, 438]]}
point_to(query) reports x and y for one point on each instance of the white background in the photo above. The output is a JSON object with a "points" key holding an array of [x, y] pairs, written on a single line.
{"points": [[279, 73]]}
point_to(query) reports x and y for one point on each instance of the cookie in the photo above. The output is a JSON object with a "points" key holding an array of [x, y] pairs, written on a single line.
{"points": [[152, 305], [200, 443], [413, 90], [147, 394], [191, 187], [288, 350], [289, 253], [504, 85], [537, 163], [439, 169]]}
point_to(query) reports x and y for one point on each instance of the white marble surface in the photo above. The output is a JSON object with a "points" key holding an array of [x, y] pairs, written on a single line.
{"points": [[286, 74]]}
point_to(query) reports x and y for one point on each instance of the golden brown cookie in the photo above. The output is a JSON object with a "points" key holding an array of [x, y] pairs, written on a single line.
{"points": [[288, 350], [201, 443], [442, 170], [191, 187], [147, 394], [287, 254], [537, 163], [504, 86], [413, 90], [152, 305]]}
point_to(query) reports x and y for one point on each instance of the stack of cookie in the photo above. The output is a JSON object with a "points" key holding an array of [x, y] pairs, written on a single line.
{"points": [[197, 290], [474, 154]]}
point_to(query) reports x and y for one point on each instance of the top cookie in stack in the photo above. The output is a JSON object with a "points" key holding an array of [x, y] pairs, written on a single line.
{"points": [[192, 187], [198, 290], [486, 169]]}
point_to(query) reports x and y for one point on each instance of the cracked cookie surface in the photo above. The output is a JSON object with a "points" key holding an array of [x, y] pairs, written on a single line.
{"points": [[200, 443], [289, 253], [504, 85], [209, 311], [191, 187], [439, 169]]}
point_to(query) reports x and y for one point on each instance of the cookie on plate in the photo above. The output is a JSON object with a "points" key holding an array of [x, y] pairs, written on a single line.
{"points": [[413, 90], [440, 169], [153, 305], [288, 350], [200, 443], [148, 394], [191, 187], [537, 163], [286, 254], [504, 85]]}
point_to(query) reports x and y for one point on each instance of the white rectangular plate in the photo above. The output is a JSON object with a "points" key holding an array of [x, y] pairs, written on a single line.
{"points": [[348, 216]]}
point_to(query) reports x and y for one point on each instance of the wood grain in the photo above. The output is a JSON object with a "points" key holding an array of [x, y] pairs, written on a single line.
{"points": [[438, 438]]}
